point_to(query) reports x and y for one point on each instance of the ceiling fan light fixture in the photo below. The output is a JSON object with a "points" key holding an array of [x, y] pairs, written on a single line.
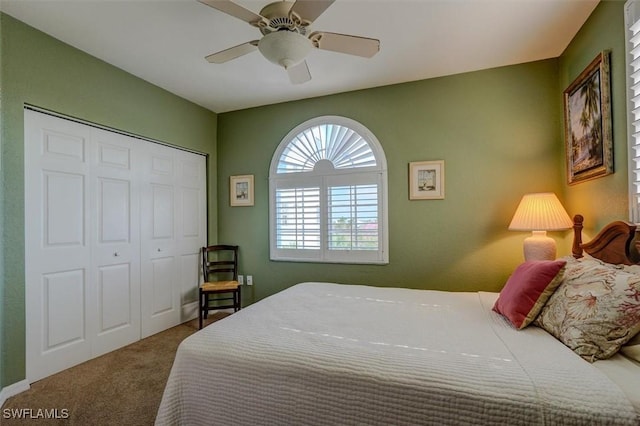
{"points": [[284, 48]]}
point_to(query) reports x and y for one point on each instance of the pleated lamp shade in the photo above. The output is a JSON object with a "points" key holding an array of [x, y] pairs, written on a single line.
{"points": [[540, 213]]}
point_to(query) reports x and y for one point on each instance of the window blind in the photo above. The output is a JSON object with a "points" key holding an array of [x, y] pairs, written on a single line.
{"points": [[298, 218], [353, 217], [632, 23]]}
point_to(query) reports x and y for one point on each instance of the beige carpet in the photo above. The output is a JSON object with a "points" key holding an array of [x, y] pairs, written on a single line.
{"points": [[123, 387]]}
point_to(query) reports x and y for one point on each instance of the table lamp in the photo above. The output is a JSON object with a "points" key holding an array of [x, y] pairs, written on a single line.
{"points": [[540, 213]]}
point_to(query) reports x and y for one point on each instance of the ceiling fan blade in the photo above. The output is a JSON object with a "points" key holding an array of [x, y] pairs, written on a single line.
{"points": [[235, 10], [309, 10], [299, 73], [232, 52], [343, 43]]}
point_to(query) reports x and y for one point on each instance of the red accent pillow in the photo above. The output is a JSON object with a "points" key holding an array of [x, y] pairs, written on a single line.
{"points": [[528, 289]]}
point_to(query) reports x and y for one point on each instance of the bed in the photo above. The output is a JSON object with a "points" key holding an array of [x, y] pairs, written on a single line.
{"points": [[329, 354]]}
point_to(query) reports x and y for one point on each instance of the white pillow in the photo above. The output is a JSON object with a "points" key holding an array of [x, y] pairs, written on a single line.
{"points": [[632, 348]]}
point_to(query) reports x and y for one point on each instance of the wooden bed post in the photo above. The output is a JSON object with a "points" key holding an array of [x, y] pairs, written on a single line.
{"points": [[576, 249]]}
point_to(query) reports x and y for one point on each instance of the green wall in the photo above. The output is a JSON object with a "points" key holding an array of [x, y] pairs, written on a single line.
{"points": [[498, 132], [604, 199], [42, 71], [501, 134]]}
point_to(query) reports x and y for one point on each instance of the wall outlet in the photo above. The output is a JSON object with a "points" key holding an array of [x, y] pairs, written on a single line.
{"points": [[249, 279], [241, 279]]}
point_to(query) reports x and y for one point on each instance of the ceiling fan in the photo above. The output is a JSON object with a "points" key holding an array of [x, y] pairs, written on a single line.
{"points": [[286, 40]]}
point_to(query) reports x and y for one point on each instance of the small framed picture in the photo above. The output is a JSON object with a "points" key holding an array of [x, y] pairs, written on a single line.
{"points": [[241, 190], [426, 180]]}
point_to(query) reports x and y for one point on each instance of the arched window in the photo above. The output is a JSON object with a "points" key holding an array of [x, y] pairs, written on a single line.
{"points": [[328, 194]]}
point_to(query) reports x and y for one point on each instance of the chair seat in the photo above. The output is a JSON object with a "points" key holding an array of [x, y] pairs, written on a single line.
{"points": [[219, 285]]}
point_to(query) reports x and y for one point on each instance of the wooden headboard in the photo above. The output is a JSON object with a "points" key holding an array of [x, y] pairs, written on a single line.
{"points": [[614, 244]]}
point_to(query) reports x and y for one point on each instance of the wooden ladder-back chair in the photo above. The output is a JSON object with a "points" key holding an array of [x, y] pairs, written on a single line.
{"points": [[220, 275]]}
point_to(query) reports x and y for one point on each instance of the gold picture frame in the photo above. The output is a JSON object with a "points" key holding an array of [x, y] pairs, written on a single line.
{"points": [[241, 190], [587, 123], [426, 180]]}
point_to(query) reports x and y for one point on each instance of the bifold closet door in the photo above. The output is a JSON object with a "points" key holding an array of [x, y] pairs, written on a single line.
{"points": [[113, 229], [173, 224], [115, 249], [82, 258], [160, 307], [57, 256], [192, 228]]}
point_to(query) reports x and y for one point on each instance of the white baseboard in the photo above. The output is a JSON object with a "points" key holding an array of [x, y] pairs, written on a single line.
{"points": [[12, 390], [189, 312]]}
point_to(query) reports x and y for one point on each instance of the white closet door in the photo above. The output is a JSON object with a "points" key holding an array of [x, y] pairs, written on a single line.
{"points": [[159, 255], [57, 255], [192, 228], [116, 242], [113, 230], [173, 225]]}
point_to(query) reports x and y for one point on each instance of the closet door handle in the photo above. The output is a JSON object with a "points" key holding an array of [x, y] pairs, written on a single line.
{"points": [[116, 254]]}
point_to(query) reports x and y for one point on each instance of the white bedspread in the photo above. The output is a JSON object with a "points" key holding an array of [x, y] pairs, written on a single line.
{"points": [[332, 354]]}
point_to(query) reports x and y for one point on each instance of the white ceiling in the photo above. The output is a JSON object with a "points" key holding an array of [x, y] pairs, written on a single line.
{"points": [[165, 42]]}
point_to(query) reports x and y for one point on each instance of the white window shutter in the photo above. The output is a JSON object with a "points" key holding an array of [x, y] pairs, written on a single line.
{"points": [[328, 199], [632, 24], [298, 218]]}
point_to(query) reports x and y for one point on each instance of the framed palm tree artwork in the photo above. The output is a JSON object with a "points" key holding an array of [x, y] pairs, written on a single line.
{"points": [[587, 123]]}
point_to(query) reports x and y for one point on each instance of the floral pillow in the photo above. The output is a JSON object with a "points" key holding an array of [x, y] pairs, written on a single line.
{"points": [[595, 310]]}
